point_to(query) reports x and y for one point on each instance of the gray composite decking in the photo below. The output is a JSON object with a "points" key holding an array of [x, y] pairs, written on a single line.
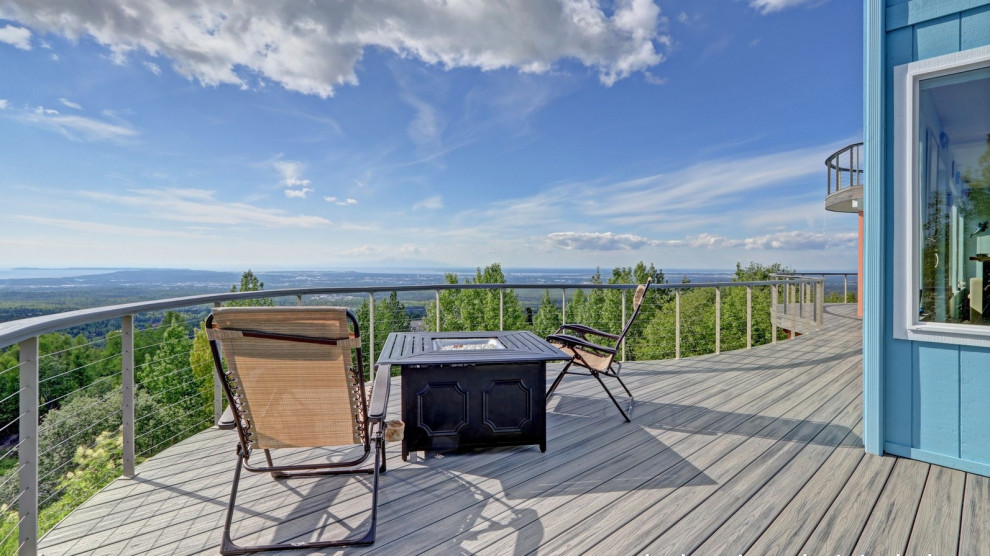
{"points": [[748, 452]]}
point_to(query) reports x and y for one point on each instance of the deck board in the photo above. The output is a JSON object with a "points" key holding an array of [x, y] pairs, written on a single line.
{"points": [[747, 452]]}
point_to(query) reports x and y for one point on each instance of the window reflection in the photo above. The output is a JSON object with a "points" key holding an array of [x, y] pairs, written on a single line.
{"points": [[954, 178]]}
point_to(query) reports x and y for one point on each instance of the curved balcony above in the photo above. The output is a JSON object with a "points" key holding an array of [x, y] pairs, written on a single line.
{"points": [[845, 180]]}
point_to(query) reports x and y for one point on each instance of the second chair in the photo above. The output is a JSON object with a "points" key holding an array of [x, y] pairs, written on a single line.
{"points": [[596, 359]]}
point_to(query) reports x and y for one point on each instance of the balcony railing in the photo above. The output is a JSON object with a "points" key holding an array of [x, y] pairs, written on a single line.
{"points": [[845, 168], [670, 332]]}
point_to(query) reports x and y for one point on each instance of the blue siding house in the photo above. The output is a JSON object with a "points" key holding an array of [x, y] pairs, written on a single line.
{"points": [[927, 231]]}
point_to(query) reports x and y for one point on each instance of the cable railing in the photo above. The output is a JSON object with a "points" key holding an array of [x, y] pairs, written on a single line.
{"points": [[147, 387]]}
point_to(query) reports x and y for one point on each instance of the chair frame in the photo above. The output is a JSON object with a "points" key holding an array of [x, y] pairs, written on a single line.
{"points": [[374, 418], [576, 336]]}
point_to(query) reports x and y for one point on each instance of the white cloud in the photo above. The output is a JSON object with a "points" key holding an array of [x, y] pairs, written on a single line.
{"points": [[594, 241], [202, 207], [346, 202], [429, 203], [770, 6], [313, 47], [296, 186], [18, 37], [291, 173], [70, 104], [3, 104], [298, 193], [153, 68]]}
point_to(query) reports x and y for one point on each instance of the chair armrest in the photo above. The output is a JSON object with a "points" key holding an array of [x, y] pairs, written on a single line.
{"points": [[583, 330], [379, 393], [578, 342]]}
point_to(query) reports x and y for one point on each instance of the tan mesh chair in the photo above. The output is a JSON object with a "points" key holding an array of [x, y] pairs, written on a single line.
{"points": [[596, 360], [294, 379]]}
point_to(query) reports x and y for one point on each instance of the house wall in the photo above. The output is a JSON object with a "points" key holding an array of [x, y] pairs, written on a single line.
{"points": [[921, 400]]}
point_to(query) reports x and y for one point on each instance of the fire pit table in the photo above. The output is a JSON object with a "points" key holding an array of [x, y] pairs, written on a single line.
{"points": [[463, 390]]}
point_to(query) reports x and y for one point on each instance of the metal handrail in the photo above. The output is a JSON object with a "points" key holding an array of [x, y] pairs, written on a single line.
{"points": [[12, 332], [847, 161]]}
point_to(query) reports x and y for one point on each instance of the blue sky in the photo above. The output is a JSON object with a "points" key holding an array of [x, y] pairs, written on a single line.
{"points": [[565, 133]]}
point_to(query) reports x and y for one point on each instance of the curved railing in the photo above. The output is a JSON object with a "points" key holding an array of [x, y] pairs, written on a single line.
{"points": [[123, 384], [845, 168]]}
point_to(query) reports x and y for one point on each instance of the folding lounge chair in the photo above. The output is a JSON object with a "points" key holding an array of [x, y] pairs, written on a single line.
{"points": [[596, 360], [294, 379]]}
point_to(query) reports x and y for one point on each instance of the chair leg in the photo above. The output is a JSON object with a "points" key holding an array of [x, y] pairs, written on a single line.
{"points": [[611, 397], [557, 381], [229, 547]]}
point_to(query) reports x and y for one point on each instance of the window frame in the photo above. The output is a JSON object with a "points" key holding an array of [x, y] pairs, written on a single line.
{"points": [[907, 218]]}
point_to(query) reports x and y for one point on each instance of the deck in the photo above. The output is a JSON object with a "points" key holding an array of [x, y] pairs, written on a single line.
{"points": [[748, 452]]}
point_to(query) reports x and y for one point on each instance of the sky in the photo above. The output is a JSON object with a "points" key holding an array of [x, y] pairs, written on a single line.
{"points": [[222, 134]]}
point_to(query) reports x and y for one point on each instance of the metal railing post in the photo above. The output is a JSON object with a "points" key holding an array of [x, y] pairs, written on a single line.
{"points": [[27, 452], [820, 302], [299, 300], [623, 324], [774, 295], [800, 296], [749, 317], [563, 306], [677, 324], [437, 292], [845, 288], [501, 308], [371, 329], [718, 321], [127, 392]]}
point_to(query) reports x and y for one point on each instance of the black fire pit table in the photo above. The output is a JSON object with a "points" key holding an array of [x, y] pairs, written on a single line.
{"points": [[463, 390]]}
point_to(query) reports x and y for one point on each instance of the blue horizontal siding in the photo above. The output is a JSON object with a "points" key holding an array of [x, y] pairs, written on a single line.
{"points": [[906, 14]]}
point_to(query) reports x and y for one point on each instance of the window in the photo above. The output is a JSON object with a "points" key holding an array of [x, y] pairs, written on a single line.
{"points": [[942, 199]]}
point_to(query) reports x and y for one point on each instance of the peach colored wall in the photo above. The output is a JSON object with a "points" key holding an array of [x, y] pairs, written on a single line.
{"points": [[859, 268]]}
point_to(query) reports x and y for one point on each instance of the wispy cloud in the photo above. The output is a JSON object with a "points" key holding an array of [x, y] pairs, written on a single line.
{"points": [[202, 207], [18, 37], [101, 228], [152, 67], [3, 104], [793, 240], [770, 6], [70, 104], [314, 47], [75, 127], [430, 203]]}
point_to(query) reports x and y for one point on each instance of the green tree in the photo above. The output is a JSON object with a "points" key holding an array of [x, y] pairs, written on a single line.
{"points": [[169, 378], [450, 318], [250, 283], [477, 309], [548, 317], [201, 363], [390, 316], [698, 318]]}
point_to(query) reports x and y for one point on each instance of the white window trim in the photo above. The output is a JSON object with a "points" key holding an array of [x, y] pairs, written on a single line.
{"points": [[906, 216]]}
